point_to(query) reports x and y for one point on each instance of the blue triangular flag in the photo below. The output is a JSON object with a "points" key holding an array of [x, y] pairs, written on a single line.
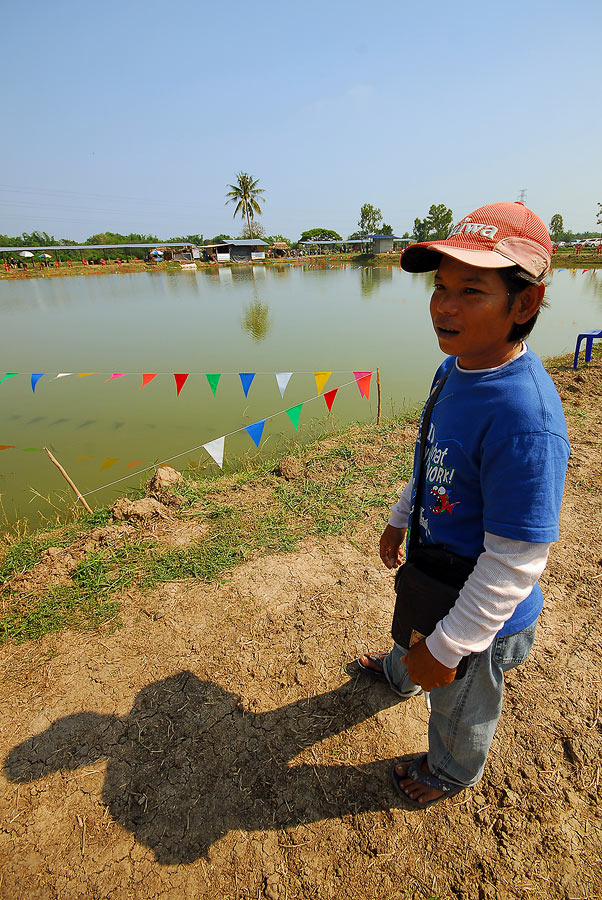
{"points": [[34, 380], [256, 430], [246, 379]]}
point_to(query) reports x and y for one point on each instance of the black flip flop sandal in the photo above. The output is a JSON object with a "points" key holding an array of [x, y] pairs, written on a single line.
{"points": [[377, 670], [416, 773]]}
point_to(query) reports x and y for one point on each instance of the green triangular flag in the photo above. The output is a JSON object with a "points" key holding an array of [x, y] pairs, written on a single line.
{"points": [[8, 375], [293, 413], [213, 379]]}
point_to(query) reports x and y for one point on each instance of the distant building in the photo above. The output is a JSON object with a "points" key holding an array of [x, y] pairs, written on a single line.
{"points": [[280, 248], [238, 251], [383, 243]]}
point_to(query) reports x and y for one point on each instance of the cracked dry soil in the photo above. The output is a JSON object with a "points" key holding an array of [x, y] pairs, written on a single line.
{"points": [[216, 746]]}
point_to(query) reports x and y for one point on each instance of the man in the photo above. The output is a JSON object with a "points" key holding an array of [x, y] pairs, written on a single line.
{"points": [[492, 481]]}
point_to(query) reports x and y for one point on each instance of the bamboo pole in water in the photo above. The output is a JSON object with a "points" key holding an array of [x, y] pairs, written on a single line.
{"points": [[68, 480], [378, 386]]}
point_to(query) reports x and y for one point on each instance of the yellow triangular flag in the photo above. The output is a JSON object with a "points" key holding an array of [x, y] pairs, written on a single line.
{"points": [[321, 379]]}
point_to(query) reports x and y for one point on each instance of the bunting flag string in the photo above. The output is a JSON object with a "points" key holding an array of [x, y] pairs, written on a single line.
{"points": [[255, 430], [213, 378], [216, 447]]}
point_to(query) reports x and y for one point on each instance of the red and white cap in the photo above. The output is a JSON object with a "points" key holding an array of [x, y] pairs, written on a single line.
{"points": [[492, 237]]}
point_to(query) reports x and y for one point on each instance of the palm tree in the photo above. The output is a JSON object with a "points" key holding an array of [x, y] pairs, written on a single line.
{"points": [[246, 195]]}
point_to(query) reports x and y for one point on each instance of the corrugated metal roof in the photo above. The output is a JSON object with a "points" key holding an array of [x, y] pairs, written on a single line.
{"points": [[94, 246], [255, 242]]}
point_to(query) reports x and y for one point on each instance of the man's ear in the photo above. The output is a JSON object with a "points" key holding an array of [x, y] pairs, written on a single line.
{"points": [[528, 302]]}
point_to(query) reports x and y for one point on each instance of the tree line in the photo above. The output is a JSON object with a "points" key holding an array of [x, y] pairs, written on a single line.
{"points": [[248, 197]]}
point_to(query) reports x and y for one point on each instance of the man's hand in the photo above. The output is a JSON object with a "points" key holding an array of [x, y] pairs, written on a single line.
{"points": [[390, 546], [425, 670]]}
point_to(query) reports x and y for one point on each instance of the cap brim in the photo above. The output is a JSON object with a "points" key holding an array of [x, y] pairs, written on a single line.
{"points": [[425, 257]]}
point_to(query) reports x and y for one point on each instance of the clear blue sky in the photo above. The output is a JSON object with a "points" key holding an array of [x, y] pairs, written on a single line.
{"points": [[129, 117]]}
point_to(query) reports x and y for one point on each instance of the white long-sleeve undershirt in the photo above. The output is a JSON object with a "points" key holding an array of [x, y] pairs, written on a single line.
{"points": [[504, 575]]}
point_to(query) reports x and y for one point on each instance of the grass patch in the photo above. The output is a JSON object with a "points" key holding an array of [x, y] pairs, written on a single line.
{"points": [[86, 603], [207, 561], [26, 553], [62, 607]]}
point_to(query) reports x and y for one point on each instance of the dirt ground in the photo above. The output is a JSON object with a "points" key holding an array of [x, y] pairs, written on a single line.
{"points": [[215, 745]]}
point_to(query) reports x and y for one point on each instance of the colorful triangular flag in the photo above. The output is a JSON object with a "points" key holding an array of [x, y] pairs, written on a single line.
{"points": [[246, 379], [321, 379], [283, 379], [363, 383], [215, 449], [134, 463], [329, 397], [116, 375], [34, 380], [293, 413], [180, 381], [256, 430], [109, 461], [213, 379], [64, 374], [146, 377], [7, 447], [8, 375]]}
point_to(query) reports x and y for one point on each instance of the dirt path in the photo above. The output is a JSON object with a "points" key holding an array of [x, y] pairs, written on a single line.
{"points": [[214, 746]]}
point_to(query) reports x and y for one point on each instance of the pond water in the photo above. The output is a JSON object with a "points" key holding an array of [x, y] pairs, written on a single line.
{"points": [[289, 318]]}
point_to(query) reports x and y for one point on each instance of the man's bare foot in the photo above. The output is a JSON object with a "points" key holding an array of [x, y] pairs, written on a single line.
{"points": [[421, 793]]}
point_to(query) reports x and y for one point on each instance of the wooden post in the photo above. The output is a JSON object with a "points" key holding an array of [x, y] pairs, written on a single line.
{"points": [[378, 387], [68, 480]]}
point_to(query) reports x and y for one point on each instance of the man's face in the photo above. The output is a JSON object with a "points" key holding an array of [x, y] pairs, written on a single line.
{"points": [[470, 314]]}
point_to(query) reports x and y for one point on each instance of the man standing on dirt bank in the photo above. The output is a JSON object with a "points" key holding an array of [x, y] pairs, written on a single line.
{"points": [[491, 486]]}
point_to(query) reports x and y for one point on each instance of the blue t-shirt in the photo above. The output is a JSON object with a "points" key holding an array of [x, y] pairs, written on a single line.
{"points": [[495, 461]]}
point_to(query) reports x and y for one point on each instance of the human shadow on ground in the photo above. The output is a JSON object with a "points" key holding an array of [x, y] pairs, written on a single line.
{"points": [[188, 763]]}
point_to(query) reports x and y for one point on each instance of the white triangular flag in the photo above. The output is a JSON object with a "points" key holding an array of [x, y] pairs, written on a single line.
{"points": [[283, 379], [64, 374], [215, 449]]}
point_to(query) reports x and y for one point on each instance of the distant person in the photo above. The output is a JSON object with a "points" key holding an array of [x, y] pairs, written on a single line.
{"points": [[490, 488]]}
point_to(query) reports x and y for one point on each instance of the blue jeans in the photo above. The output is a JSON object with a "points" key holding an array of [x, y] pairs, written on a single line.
{"points": [[465, 713]]}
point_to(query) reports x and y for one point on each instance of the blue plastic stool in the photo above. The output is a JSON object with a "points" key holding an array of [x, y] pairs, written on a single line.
{"points": [[588, 337]]}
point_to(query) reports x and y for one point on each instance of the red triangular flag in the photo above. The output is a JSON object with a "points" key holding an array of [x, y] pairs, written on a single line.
{"points": [[363, 382], [329, 397], [146, 377], [180, 381]]}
